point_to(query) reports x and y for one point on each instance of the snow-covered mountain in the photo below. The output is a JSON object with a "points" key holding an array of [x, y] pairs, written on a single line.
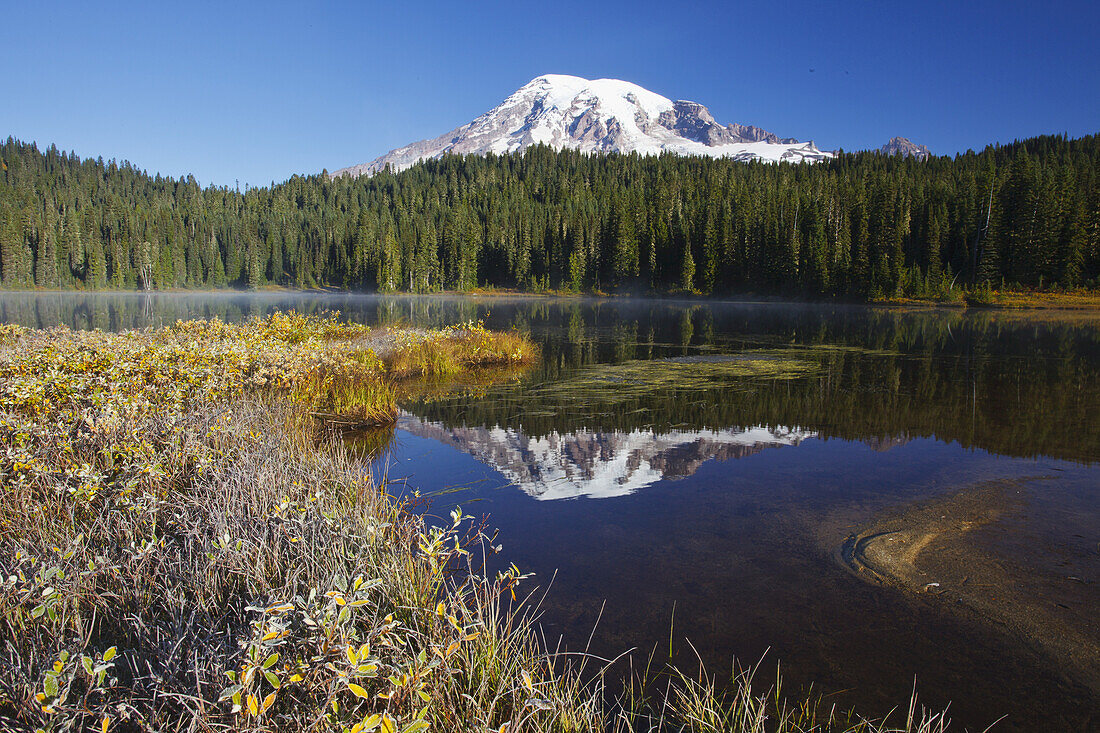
{"points": [[600, 115], [599, 464]]}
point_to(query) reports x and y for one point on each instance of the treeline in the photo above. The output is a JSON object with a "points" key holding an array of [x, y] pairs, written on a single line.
{"points": [[863, 225]]}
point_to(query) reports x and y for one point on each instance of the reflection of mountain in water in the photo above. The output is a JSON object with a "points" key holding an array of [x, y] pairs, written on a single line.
{"points": [[598, 465]]}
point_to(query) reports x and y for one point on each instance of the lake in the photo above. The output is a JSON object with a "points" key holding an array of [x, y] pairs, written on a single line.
{"points": [[870, 497]]}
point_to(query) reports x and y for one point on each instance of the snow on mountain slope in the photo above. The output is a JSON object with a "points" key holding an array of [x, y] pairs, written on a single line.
{"points": [[600, 115]]}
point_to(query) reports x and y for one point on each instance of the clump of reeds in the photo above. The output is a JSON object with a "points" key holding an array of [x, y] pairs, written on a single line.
{"points": [[701, 703], [455, 349]]}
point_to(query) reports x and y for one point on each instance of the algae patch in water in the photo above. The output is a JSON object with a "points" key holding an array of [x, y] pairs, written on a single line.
{"points": [[616, 383]]}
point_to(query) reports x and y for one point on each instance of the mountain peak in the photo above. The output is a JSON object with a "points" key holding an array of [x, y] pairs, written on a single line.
{"points": [[597, 115], [905, 147]]}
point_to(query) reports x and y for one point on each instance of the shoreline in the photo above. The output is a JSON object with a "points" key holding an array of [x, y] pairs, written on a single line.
{"points": [[198, 557], [1009, 300]]}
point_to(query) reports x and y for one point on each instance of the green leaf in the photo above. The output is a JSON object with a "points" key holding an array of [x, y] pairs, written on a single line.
{"points": [[110, 654], [272, 679], [271, 660], [86, 661], [50, 685]]}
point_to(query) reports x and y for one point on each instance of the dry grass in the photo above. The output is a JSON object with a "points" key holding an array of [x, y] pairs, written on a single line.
{"points": [[983, 296], [455, 349], [703, 704], [1038, 299]]}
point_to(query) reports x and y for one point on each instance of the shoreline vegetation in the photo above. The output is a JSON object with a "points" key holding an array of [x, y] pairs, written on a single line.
{"points": [[1007, 299], [981, 299], [182, 549]]}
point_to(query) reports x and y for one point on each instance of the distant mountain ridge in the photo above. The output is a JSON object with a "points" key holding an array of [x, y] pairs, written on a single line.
{"points": [[601, 115], [905, 147]]}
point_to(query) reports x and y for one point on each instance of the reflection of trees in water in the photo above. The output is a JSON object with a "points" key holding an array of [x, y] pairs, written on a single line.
{"points": [[1017, 384], [1019, 407]]}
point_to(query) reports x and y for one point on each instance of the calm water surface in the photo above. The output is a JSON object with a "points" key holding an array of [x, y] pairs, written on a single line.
{"points": [[700, 468]]}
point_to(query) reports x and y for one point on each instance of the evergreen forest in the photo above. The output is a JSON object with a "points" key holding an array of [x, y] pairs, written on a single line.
{"points": [[861, 226]]}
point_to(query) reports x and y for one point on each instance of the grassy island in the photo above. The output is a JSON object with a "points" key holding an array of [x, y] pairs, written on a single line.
{"points": [[180, 550]]}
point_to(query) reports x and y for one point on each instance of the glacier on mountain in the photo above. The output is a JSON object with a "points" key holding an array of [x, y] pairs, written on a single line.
{"points": [[601, 115]]}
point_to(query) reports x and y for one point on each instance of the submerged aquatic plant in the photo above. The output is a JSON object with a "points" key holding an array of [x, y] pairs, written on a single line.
{"points": [[617, 383]]}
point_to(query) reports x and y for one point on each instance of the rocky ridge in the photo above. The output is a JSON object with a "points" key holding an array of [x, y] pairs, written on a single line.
{"points": [[905, 147]]}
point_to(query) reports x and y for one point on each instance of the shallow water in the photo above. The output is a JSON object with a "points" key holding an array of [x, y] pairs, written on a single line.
{"points": [[694, 470]]}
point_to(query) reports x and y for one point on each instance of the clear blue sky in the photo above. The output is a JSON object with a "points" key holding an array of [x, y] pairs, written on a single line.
{"points": [[256, 92]]}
